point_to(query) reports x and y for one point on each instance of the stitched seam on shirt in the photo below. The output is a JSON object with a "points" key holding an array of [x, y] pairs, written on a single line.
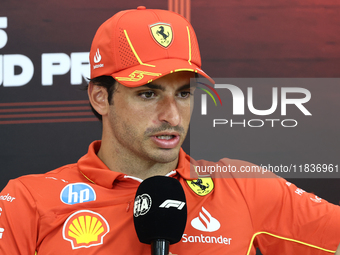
{"points": [[34, 200], [36, 208], [251, 218], [286, 239]]}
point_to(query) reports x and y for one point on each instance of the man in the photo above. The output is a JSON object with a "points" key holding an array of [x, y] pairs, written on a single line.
{"points": [[337, 251], [141, 65]]}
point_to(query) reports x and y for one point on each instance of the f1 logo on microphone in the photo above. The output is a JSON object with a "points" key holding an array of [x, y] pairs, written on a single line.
{"points": [[172, 203]]}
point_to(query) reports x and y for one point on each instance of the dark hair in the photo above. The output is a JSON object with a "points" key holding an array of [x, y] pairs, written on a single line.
{"points": [[107, 82]]}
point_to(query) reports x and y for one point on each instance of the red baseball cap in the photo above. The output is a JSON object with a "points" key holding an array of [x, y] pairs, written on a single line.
{"points": [[138, 46]]}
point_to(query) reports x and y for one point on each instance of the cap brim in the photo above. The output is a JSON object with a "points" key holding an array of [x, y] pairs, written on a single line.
{"points": [[147, 72]]}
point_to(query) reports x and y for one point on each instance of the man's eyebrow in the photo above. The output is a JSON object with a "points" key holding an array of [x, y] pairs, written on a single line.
{"points": [[188, 86]]}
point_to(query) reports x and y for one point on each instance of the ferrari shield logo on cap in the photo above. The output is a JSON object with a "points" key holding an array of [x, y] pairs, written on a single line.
{"points": [[202, 186], [162, 33]]}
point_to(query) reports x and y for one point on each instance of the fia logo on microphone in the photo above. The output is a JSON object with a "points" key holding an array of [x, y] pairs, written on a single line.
{"points": [[142, 205]]}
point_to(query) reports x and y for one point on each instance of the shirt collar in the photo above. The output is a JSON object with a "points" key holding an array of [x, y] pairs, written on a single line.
{"points": [[93, 169]]}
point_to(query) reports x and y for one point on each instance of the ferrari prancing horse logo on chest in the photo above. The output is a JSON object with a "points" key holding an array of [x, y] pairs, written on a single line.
{"points": [[202, 186], [162, 33]]}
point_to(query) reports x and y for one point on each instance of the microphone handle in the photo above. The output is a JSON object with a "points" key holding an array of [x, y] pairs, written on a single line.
{"points": [[160, 247]]}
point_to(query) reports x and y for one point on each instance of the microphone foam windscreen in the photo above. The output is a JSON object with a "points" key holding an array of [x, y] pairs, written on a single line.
{"points": [[160, 210]]}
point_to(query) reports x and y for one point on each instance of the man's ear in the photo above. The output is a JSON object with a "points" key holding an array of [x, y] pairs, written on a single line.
{"points": [[98, 97]]}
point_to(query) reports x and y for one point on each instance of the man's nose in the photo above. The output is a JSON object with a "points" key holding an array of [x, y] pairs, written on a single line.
{"points": [[169, 111]]}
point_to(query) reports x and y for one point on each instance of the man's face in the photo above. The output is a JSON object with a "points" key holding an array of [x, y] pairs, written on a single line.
{"points": [[151, 121]]}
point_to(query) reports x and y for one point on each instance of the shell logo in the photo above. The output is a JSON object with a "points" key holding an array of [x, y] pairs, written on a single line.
{"points": [[85, 228]]}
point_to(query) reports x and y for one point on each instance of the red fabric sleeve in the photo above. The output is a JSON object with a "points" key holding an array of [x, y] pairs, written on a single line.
{"points": [[18, 220], [288, 220]]}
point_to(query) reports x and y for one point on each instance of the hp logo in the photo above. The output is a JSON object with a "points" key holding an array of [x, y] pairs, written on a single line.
{"points": [[76, 193]]}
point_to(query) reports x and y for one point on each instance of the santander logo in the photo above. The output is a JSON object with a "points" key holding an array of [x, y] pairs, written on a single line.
{"points": [[97, 57], [205, 222]]}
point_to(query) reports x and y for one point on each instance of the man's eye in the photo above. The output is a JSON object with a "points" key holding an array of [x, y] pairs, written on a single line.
{"points": [[184, 94], [147, 94]]}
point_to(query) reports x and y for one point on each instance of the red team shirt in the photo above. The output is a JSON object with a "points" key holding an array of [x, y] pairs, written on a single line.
{"points": [[85, 208]]}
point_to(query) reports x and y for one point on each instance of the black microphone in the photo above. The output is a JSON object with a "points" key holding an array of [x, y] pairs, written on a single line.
{"points": [[160, 213]]}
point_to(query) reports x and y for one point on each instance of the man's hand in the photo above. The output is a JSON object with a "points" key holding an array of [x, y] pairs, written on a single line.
{"points": [[337, 251]]}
